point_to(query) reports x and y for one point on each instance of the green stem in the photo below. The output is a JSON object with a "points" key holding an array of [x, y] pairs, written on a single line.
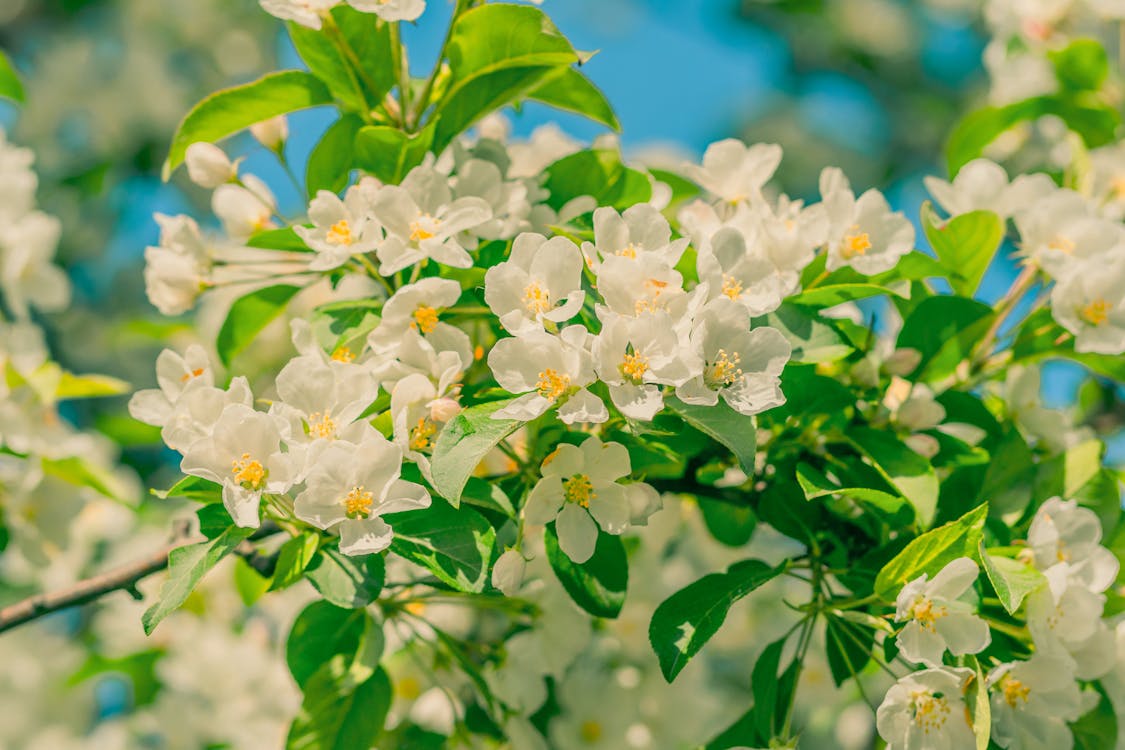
{"points": [[1004, 309], [415, 117], [354, 67], [401, 73]]}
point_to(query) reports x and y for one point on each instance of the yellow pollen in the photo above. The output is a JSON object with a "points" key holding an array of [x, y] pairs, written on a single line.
{"points": [[578, 489], [418, 232], [856, 244], [478, 352], [536, 299], [343, 354], [930, 711], [425, 319], [408, 687], [590, 731], [552, 384], [634, 366], [1062, 245], [732, 287], [1014, 691], [357, 503], [421, 433], [322, 425], [1117, 186], [248, 472], [924, 612], [629, 251], [193, 374], [340, 233], [724, 370], [1096, 313]]}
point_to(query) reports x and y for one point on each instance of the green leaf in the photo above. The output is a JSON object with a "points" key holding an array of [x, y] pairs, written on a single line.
{"points": [[10, 85], [1082, 65], [293, 557], [278, 239], [966, 245], [837, 294], [484, 94], [944, 329], [389, 153], [455, 544], [463, 442], [932, 551], [908, 472], [735, 431], [82, 473], [817, 485], [360, 89], [186, 567], [573, 91], [1013, 580], [193, 488], [813, 340], [1038, 339], [231, 110], [248, 582], [730, 524], [138, 667], [598, 173], [331, 159], [90, 386], [336, 714], [687, 619], [982, 708], [321, 631], [248, 316], [349, 582], [848, 646], [213, 520], [597, 585]]}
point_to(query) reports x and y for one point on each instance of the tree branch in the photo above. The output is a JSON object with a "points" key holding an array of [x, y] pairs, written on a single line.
{"points": [[122, 578]]}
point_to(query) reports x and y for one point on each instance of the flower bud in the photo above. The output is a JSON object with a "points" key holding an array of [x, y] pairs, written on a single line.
{"points": [[444, 409], [507, 574], [902, 361], [208, 165], [271, 133]]}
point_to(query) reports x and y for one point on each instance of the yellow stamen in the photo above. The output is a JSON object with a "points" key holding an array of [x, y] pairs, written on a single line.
{"points": [[418, 230], [357, 503], [629, 251], [193, 374], [579, 489], [590, 731], [536, 299], [425, 319], [1117, 186], [1062, 245], [732, 287], [248, 472], [924, 612], [552, 384], [340, 233], [1014, 691], [724, 370], [343, 354], [930, 711], [634, 366], [478, 352], [1096, 313], [421, 434], [857, 243], [322, 425]]}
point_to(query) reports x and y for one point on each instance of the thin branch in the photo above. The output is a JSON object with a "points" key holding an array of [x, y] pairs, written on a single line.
{"points": [[122, 578]]}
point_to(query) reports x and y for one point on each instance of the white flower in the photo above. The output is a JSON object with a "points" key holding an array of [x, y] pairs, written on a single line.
{"points": [[1062, 230], [509, 200], [244, 455], [178, 270], [28, 276], [641, 230], [271, 133], [305, 12], [734, 171], [508, 572], [208, 165], [863, 233], [194, 414], [935, 617], [391, 10], [322, 399], [541, 280], [1064, 532], [174, 374], [351, 486], [1090, 303], [549, 370], [1064, 618], [740, 365], [926, 711], [416, 355], [742, 272], [414, 419], [1032, 702], [17, 180], [422, 221], [634, 356], [643, 285], [341, 228], [417, 307], [982, 185], [579, 491], [244, 209]]}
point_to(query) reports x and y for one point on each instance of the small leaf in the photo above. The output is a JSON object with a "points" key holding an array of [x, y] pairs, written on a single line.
{"points": [[193, 488], [932, 551], [10, 85], [82, 473], [186, 567], [455, 544], [1082, 65], [730, 524], [1013, 580], [231, 110], [248, 316], [294, 556], [358, 88], [944, 329], [816, 485], [332, 157], [321, 631], [765, 684], [598, 173], [966, 245], [389, 153], [733, 430], [597, 585], [837, 294], [90, 386], [349, 582], [337, 714], [848, 646], [573, 91], [463, 443], [908, 472], [687, 619], [982, 708]]}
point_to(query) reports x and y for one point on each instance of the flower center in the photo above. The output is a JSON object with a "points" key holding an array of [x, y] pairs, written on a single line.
{"points": [[930, 711], [425, 319], [1096, 313], [651, 303], [578, 489], [634, 366], [248, 472], [340, 233], [857, 243], [552, 384], [1062, 245], [724, 371], [629, 251], [423, 228], [1014, 691], [193, 374], [924, 612], [1117, 186], [732, 287], [421, 434], [322, 425], [536, 299], [357, 503], [343, 354], [590, 731]]}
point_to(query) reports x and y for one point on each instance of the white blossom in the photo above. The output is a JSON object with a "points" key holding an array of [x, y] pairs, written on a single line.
{"points": [[1032, 703], [736, 172], [208, 165], [540, 281], [549, 371], [926, 711], [937, 618], [863, 233], [308, 13], [341, 228], [1090, 303]]}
